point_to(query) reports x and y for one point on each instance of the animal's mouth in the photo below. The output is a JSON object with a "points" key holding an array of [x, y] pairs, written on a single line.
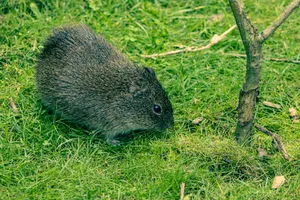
{"points": [[170, 124]]}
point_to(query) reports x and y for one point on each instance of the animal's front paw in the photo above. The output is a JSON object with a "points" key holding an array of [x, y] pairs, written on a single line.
{"points": [[113, 142]]}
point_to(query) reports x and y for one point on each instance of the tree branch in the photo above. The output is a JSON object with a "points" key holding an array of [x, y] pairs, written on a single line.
{"points": [[276, 138], [279, 20], [270, 59], [243, 22]]}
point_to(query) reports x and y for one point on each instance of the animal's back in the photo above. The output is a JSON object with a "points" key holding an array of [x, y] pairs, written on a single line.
{"points": [[77, 45], [77, 68]]}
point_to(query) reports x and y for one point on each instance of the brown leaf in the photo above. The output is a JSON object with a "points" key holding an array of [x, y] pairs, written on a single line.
{"points": [[195, 101], [278, 181], [293, 112], [294, 115], [197, 120], [272, 105], [13, 105], [262, 152], [216, 18]]}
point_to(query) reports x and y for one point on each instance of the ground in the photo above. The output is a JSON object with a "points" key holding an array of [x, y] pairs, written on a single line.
{"points": [[43, 157]]}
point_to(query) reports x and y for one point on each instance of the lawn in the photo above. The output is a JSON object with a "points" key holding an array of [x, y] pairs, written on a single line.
{"points": [[43, 157]]}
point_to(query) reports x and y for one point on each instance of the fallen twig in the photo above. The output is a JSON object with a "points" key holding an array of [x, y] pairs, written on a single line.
{"points": [[271, 105], [214, 40], [270, 59], [276, 138], [182, 191], [13, 105]]}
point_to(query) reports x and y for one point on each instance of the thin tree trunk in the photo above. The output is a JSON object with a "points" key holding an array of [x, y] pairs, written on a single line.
{"points": [[248, 94], [253, 41]]}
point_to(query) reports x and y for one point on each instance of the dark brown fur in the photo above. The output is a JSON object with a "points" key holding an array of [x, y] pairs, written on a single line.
{"points": [[87, 81]]}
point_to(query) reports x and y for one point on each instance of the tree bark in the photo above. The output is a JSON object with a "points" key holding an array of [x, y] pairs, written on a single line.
{"points": [[253, 41]]}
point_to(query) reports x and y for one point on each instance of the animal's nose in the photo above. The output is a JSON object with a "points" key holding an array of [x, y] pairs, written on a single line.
{"points": [[170, 123]]}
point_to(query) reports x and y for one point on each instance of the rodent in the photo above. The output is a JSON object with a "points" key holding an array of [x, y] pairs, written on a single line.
{"points": [[84, 79]]}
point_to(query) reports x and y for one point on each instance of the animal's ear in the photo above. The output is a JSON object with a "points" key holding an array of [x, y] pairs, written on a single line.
{"points": [[141, 86], [135, 90], [150, 70]]}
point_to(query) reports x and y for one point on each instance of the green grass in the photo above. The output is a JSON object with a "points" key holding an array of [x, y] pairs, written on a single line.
{"points": [[42, 157]]}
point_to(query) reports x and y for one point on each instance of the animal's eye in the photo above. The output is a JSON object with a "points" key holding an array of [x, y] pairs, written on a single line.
{"points": [[156, 109]]}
